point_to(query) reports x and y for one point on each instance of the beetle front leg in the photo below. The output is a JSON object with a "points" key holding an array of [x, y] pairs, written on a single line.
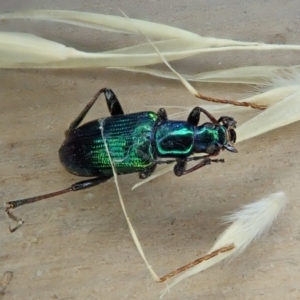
{"points": [[196, 158], [180, 167]]}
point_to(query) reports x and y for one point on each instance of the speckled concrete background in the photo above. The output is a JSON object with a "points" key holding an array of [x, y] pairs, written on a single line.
{"points": [[78, 246]]}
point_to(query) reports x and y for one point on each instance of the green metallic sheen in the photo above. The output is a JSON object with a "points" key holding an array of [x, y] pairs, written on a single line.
{"points": [[208, 134], [129, 140], [135, 142], [174, 139]]}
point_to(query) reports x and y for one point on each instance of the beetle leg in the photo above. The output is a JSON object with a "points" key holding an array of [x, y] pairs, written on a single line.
{"points": [[83, 113], [196, 158], [228, 121], [209, 116], [112, 102], [74, 187], [167, 162], [162, 114], [147, 172], [180, 167], [81, 185], [194, 116], [155, 161]]}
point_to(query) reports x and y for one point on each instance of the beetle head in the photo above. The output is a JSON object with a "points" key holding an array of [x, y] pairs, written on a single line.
{"points": [[230, 124]]}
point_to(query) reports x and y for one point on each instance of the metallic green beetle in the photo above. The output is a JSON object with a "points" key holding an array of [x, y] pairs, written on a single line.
{"points": [[137, 142]]}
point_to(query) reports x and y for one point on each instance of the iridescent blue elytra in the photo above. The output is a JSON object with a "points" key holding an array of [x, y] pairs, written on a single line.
{"points": [[137, 143]]}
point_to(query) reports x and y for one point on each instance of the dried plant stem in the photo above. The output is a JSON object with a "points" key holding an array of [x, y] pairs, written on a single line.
{"points": [[190, 88], [232, 102], [132, 231], [253, 75], [197, 261]]}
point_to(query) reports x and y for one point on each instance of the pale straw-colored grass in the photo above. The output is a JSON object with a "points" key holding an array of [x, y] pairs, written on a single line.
{"points": [[175, 44], [247, 224]]}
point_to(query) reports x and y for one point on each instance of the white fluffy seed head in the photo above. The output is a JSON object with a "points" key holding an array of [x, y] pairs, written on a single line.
{"points": [[247, 224], [250, 221]]}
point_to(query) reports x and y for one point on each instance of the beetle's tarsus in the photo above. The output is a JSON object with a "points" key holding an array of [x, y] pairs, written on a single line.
{"points": [[221, 160], [13, 229], [19, 222]]}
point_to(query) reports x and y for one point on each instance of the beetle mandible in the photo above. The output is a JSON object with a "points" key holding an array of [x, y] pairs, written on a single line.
{"points": [[137, 143]]}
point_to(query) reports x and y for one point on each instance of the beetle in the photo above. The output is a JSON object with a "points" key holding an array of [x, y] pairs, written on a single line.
{"points": [[137, 143]]}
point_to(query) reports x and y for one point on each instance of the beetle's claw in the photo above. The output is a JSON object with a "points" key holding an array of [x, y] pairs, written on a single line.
{"points": [[13, 229]]}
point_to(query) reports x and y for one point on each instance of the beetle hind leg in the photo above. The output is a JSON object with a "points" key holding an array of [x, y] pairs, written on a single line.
{"points": [[73, 188], [112, 102]]}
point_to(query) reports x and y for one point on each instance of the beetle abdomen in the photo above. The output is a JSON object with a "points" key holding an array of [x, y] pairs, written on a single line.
{"points": [[129, 139]]}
